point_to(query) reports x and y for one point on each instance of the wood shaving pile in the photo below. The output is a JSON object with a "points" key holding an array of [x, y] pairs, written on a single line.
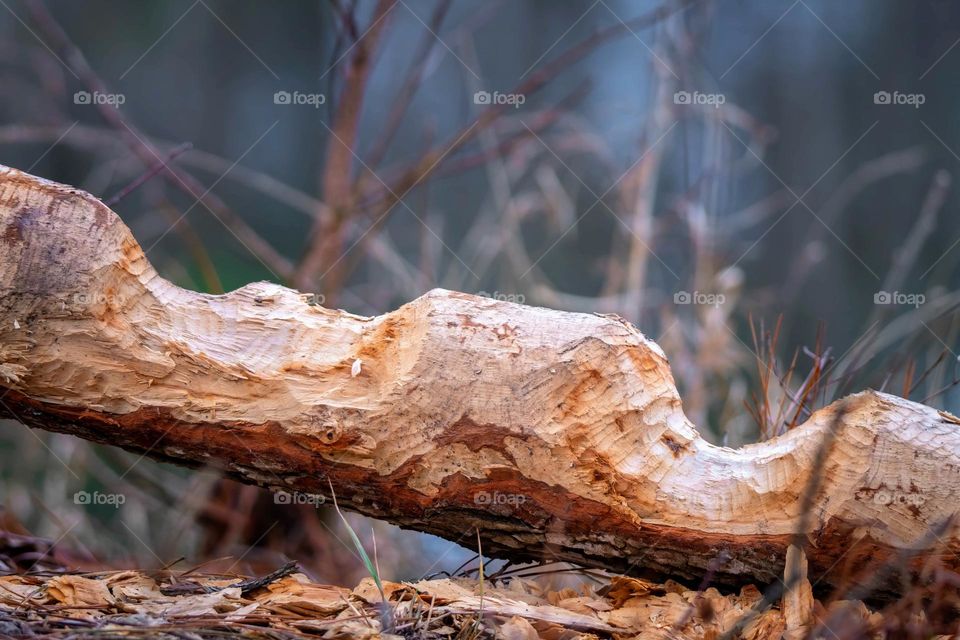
{"points": [[133, 604]]}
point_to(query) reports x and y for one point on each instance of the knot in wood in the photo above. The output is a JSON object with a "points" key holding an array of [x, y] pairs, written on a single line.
{"points": [[330, 433]]}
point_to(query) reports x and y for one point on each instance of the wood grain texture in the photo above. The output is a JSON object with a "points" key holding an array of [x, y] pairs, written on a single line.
{"points": [[559, 436]]}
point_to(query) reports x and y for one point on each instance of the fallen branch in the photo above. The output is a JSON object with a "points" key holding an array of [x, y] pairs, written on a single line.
{"points": [[245, 586], [557, 435]]}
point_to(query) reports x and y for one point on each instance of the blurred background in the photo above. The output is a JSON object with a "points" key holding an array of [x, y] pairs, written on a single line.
{"points": [[767, 189]]}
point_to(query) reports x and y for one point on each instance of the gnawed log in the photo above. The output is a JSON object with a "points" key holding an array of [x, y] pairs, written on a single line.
{"points": [[557, 435]]}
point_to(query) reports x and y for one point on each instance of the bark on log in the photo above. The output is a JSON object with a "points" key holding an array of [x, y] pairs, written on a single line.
{"points": [[557, 435]]}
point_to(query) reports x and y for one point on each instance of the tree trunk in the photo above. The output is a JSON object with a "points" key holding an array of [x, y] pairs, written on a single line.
{"points": [[559, 436]]}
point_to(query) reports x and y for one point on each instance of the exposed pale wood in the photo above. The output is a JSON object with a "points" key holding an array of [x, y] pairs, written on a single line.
{"points": [[557, 435], [798, 600]]}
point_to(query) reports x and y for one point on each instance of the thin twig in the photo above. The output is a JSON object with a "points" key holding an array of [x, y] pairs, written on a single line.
{"points": [[154, 170]]}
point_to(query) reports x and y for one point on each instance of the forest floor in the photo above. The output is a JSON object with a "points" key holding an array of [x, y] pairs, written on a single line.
{"points": [[54, 602]]}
